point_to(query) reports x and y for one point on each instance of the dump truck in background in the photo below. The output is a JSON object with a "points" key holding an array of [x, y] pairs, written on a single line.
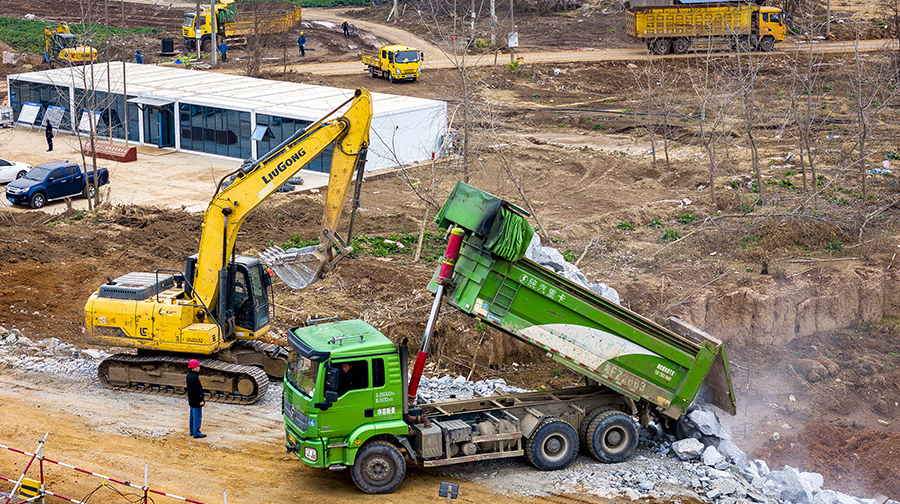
{"points": [[674, 29], [235, 23], [347, 402], [393, 62]]}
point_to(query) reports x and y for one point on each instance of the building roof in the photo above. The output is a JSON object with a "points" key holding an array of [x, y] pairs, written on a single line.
{"points": [[215, 89]]}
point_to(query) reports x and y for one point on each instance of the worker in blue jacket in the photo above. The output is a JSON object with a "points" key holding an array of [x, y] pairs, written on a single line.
{"points": [[301, 41]]}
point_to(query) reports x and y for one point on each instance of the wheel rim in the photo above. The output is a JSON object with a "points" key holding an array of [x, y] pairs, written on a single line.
{"points": [[615, 439], [555, 447], [378, 469]]}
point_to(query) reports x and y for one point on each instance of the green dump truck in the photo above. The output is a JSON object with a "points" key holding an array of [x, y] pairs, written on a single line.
{"points": [[348, 402]]}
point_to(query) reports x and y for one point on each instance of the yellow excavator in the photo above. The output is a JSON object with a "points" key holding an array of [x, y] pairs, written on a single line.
{"points": [[218, 308], [60, 44]]}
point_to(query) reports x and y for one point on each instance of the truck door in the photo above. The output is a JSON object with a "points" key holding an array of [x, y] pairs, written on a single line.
{"points": [[354, 405], [56, 184]]}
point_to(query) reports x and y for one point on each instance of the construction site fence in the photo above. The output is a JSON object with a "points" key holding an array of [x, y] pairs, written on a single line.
{"points": [[18, 495]]}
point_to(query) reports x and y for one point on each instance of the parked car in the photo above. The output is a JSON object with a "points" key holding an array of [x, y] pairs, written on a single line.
{"points": [[12, 170], [53, 181]]}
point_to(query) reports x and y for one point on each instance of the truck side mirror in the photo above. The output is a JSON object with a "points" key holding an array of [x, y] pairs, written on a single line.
{"points": [[331, 380]]}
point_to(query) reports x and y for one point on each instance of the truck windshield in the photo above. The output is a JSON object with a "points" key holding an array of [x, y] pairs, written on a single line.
{"points": [[775, 17], [302, 373], [38, 174], [406, 56], [189, 20]]}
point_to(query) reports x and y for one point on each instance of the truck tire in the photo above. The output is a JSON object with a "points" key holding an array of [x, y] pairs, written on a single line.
{"points": [[660, 46], [90, 191], [391, 78], [742, 44], [206, 44], [612, 436], [767, 44], [38, 200], [681, 45], [583, 440], [379, 468], [553, 445], [371, 72]]}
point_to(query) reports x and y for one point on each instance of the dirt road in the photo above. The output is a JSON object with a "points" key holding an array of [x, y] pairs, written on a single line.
{"points": [[243, 454]]}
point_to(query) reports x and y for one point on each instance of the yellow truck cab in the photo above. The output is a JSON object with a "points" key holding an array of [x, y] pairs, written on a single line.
{"points": [[394, 62], [771, 27]]}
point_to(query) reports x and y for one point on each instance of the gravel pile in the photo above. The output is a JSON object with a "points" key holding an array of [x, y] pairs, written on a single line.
{"points": [[704, 464]]}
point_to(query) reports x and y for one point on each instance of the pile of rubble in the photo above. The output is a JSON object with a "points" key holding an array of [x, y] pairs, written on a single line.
{"points": [[551, 259], [47, 355]]}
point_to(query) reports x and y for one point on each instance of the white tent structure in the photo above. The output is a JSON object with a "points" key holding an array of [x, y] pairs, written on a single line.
{"points": [[222, 114]]}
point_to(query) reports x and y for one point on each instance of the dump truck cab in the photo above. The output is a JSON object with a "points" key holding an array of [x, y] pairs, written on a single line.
{"points": [[343, 387], [771, 27], [394, 62]]}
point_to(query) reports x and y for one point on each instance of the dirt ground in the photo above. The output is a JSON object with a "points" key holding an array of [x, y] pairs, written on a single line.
{"points": [[811, 330]]}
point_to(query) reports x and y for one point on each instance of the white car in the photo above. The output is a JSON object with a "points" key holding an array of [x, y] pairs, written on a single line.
{"points": [[11, 170]]}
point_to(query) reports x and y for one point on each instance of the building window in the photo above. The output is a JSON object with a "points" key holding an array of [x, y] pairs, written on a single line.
{"points": [[214, 130], [282, 128]]}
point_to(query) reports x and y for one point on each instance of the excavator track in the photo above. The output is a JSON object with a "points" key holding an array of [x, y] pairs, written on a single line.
{"points": [[167, 375], [270, 358]]}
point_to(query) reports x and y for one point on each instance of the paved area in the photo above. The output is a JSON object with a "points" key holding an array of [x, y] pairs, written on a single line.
{"points": [[159, 177]]}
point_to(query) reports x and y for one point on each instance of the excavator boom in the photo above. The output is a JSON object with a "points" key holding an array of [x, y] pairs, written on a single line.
{"points": [[255, 182]]}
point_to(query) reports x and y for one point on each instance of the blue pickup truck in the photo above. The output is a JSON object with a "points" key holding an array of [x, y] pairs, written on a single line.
{"points": [[53, 181]]}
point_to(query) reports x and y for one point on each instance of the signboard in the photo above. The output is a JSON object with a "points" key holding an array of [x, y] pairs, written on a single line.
{"points": [[513, 39], [29, 113], [85, 123], [55, 115]]}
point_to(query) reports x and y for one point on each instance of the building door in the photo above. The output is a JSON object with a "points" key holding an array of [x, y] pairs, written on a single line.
{"points": [[159, 126]]}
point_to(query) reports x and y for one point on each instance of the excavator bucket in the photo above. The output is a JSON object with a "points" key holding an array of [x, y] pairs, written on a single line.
{"points": [[297, 267]]}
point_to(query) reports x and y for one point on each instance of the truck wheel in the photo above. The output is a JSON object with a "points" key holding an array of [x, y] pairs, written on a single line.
{"points": [[553, 445], [583, 438], [90, 191], [681, 45], [612, 437], [379, 468], [371, 72], [767, 44], [206, 45], [742, 44], [661, 46], [38, 200], [391, 78]]}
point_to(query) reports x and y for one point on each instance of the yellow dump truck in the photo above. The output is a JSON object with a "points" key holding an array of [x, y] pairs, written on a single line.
{"points": [[394, 61], [234, 25], [674, 28]]}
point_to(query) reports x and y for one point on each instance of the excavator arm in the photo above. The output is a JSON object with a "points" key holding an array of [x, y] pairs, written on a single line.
{"points": [[255, 182]]}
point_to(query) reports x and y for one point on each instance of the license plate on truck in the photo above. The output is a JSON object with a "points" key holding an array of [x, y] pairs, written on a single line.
{"points": [[310, 453]]}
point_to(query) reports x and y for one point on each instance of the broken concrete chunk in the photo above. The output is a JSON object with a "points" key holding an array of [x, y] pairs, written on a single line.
{"points": [[708, 423], [712, 457], [687, 448]]}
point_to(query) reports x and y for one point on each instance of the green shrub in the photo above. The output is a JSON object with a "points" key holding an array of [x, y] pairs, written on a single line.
{"points": [[655, 224], [625, 225], [834, 246], [569, 255], [686, 218], [670, 235]]}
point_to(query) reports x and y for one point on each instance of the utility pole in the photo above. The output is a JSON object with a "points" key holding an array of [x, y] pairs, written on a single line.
{"points": [[513, 37], [828, 19], [493, 23], [471, 27], [124, 80], [214, 47]]}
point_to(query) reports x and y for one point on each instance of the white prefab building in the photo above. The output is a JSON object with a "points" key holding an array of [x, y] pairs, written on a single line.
{"points": [[219, 114]]}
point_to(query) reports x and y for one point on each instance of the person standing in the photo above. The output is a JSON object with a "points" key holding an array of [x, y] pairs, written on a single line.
{"points": [[138, 58], [48, 132], [223, 50], [346, 28], [301, 41], [195, 398]]}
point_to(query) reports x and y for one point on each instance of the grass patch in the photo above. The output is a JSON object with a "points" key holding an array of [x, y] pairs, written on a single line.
{"points": [[28, 35], [397, 244]]}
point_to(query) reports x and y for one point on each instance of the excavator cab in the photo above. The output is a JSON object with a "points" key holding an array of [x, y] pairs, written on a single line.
{"points": [[248, 294]]}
